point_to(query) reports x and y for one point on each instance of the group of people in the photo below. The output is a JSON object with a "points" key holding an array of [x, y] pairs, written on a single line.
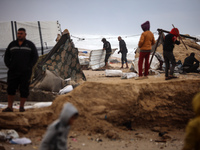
{"points": [[123, 50], [21, 55]]}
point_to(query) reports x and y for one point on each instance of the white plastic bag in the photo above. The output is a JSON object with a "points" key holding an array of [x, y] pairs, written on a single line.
{"points": [[8, 134], [129, 75], [21, 141], [66, 89], [113, 73], [42, 104]]}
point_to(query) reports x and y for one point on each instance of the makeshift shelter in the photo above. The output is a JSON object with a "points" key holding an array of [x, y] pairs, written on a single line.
{"points": [[62, 61]]}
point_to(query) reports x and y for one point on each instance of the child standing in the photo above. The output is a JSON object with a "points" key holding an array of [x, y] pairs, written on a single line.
{"points": [[145, 45], [56, 135]]}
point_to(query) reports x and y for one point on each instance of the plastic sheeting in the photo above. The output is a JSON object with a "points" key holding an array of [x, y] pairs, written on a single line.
{"points": [[49, 31], [97, 58], [155, 64]]}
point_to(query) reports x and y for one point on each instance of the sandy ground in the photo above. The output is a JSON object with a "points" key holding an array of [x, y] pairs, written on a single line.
{"points": [[115, 113], [138, 138]]}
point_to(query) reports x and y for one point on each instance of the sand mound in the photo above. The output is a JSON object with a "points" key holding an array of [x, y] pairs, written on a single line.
{"points": [[107, 107]]}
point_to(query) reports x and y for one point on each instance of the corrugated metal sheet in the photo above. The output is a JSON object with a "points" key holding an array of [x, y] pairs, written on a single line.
{"points": [[97, 58]]}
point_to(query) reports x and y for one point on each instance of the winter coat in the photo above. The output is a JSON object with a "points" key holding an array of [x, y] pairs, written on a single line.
{"points": [[20, 58], [122, 46], [170, 40], [56, 135]]}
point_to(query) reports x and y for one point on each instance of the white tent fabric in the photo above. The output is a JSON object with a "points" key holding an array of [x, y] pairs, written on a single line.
{"points": [[49, 31], [154, 64], [8, 30]]}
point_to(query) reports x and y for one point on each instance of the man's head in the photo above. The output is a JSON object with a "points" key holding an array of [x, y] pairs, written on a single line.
{"points": [[192, 54], [103, 40], [175, 32], [21, 34], [119, 38]]}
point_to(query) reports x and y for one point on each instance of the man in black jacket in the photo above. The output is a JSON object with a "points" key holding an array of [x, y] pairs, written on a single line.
{"points": [[20, 57], [189, 66], [123, 50], [107, 48], [168, 46]]}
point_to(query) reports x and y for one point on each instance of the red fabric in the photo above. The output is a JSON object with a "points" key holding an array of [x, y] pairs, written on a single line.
{"points": [[144, 55], [175, 32]]}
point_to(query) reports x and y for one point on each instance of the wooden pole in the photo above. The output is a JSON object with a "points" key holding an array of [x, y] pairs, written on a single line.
{"points": [[160, 34], [179, 37]]}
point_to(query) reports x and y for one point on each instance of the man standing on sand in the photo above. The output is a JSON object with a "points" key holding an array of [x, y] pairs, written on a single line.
{"points": [[168, 46], [123, 50], [107, 47], [145, 45], [20, 57]]}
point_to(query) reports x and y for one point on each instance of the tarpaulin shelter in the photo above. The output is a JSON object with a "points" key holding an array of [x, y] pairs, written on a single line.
{"points": [[61, 60]]}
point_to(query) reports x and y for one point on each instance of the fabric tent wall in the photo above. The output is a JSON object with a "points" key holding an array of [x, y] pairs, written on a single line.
{"points": [[8, 30]]}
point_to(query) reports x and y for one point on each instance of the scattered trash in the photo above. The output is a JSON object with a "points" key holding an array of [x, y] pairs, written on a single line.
{"points": [[73, 139], [8, 134], [42, 104], [2, 106], [113, 73], [20, 141], [129, 75], [66, 89]]}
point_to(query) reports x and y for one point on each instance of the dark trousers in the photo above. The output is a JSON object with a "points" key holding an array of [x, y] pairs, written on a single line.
{"points": [[144, 55], [169, 58], [123, 58], [19, 81], [192, 68], [107, 57]]}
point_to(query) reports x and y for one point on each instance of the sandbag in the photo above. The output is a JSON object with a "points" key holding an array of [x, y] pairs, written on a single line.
{"points": [[113, 73], [51, 82]]}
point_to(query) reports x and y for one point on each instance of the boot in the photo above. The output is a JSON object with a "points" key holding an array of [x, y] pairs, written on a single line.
{"points": [[126, 64]]}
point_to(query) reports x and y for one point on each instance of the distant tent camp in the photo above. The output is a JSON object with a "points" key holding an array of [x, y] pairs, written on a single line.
{"points": [[41, 33]]}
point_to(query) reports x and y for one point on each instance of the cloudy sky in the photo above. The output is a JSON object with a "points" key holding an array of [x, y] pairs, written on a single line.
{"points": [[112, 17]]}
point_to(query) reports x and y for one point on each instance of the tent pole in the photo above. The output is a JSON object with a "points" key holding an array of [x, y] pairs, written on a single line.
{"points": [[15, 23], [39, 27], [12, 30], [160, 33]]}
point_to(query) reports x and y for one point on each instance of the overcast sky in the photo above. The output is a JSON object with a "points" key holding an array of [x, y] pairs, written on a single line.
{"points": [[113, 17]]}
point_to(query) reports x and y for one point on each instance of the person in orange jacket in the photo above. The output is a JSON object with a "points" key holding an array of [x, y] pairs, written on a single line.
{"points": [[145, 45]]}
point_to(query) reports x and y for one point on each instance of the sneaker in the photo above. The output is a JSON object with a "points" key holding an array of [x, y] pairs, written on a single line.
{"points": [[8, 109], [21, 109]]}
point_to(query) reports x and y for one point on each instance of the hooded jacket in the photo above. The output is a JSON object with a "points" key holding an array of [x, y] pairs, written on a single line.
{"points": [[56, 135], [189, 61], [147, 37], [170, 40], [192, 139]]}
